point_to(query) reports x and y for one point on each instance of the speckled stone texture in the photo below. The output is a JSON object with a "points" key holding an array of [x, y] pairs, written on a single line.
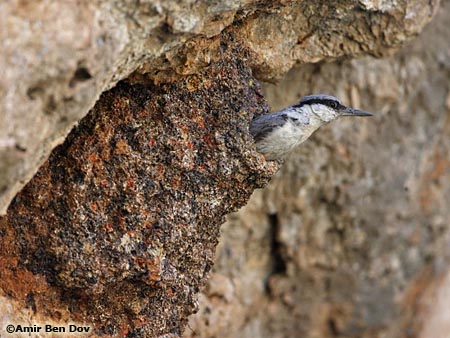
{"points": [[85, 243], [57, 57], [122, 221], [352, 236]]}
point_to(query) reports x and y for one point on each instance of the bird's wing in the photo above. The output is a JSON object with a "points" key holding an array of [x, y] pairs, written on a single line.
{"points": [[262, 125]]}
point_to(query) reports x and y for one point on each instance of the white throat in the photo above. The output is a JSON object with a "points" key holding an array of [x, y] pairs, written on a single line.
{"points": [[323, 113]]}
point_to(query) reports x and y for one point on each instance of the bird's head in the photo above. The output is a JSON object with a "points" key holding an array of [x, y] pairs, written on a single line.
{"points": [[327, 108]]}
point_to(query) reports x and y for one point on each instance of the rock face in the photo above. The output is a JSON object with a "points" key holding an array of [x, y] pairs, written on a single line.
{"points": [[117, 229], [352, 236], [59, 56], [123, 218]]}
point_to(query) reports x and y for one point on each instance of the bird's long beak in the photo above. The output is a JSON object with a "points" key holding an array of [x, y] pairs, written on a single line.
{"points": [[355, 112]]}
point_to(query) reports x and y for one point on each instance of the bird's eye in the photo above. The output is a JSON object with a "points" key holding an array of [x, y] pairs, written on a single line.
{"points": [[334, 104]]}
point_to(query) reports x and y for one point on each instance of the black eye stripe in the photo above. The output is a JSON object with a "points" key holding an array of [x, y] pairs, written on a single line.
{"points": [[330, 103]]}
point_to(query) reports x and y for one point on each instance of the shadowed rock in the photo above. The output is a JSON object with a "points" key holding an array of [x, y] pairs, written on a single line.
{"points": [[123, 219]]}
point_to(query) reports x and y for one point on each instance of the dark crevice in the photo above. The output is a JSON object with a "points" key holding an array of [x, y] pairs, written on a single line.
{"points": [[81, 74], [276, 247], [34, 92], [20, 148], [333, 327], [30, 302]]}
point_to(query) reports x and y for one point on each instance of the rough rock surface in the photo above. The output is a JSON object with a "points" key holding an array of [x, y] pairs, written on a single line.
{"points": [[118, 228], [352, 237], [57, 57]]}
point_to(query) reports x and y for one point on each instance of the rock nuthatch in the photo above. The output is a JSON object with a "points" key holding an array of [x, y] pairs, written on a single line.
{"points": [[277, 134]]}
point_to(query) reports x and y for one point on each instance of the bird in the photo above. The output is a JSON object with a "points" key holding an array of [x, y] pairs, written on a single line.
{"points": [[278, 134]]}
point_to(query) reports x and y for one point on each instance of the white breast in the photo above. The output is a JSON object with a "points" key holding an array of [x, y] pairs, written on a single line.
{"points": [[284, 139]]}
